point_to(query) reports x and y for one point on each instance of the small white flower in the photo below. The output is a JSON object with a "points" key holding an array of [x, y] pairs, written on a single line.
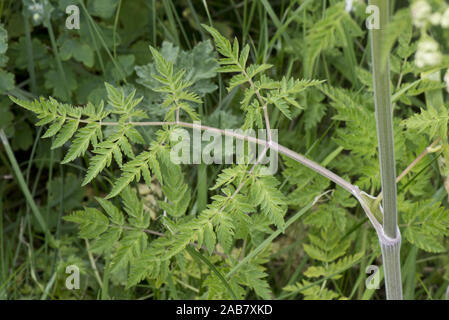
{"points": [[446, 80], [435, 19], [421, 11], [36, 10], [37, 7], [36, 17], [428, 54], [445, 19]]}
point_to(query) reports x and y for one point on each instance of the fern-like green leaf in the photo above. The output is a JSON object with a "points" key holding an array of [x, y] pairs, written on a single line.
{"points": [[264, 192], [83, 138], [66, 132], [431, 120], [113, 212], [91, 222], [427, 225], [131, 246]]}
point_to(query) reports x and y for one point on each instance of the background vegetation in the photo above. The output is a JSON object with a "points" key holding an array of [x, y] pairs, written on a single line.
{"points": [[327, 242]]}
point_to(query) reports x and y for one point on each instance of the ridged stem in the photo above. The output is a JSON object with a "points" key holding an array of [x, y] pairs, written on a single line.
{"points": [[390, 242], [391, 249]]}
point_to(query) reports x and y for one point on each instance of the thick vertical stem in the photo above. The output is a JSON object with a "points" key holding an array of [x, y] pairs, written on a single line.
{"points": [[391, 249], [384, 123], [384, 120]]}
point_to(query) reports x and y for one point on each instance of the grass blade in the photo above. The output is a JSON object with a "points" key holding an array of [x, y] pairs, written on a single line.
{"points": [[25, 188]]}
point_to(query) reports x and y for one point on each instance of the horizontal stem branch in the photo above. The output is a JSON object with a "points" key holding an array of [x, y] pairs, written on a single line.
{"points": [[273, 146], [353, 189]]}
